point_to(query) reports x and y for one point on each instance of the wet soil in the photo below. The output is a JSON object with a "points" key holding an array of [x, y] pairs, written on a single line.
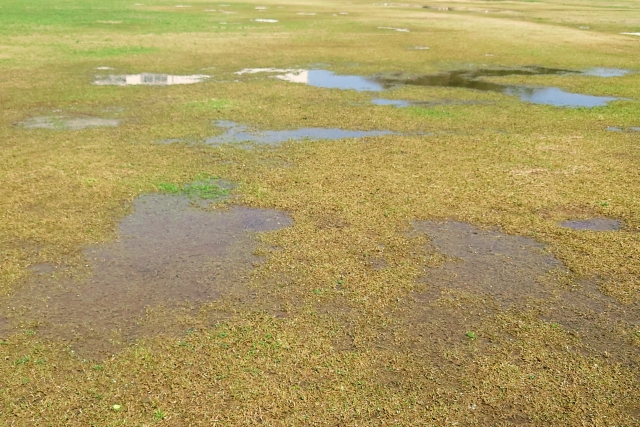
{"points": [[168, 253], [595, 224], [604, 325], [149, 79], [236, 133], [486, 272], [67, 123], [509, 269]]}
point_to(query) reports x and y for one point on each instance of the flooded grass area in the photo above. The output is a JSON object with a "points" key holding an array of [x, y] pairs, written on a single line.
{"points": [[167, 252], [319, 214]]}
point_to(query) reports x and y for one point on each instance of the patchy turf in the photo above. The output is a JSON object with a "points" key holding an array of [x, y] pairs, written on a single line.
{"points": [[425, 276]]}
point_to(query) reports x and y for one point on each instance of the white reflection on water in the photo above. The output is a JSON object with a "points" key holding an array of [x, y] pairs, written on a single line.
{"points": [[149, 79]]}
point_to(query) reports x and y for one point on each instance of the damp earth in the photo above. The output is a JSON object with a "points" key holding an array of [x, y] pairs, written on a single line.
{"points": [[509, 269], [507, 272], [594, 224], [168, 252]]}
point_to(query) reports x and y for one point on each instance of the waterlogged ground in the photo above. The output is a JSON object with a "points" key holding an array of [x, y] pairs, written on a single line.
{"points": [[303, 213]]}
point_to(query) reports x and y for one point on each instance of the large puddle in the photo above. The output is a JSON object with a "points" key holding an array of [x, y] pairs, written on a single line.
{"points": [[67, 123], [168, 252], [236, 133], [149, 79], [457, 79], [536, 95]]}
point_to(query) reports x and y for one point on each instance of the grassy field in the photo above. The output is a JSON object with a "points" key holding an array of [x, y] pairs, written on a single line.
{"points": [[348, 319]]}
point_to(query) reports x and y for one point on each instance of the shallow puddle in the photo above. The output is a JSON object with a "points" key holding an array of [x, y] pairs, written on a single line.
{"points": [[508, 268], [395, 102], [606, 72], [149, 79], [67, 123], [623, 129], [401, 30], [168, 252], [236, 133], [595, 224]]}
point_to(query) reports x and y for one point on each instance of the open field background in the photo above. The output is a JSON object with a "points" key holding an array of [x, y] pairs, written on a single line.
{"points": [[337, 325]]}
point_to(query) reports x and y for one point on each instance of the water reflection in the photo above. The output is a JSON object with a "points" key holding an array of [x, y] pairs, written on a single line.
{"points": [[149, 79], [557, 97], [330, 80], [236, 133]]}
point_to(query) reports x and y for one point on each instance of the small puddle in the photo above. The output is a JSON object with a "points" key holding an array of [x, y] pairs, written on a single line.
{"points": [[595, 224], [622, 129], [395, 102], [236, 133], [168, 252], [506, 267], [149, 79], [401, 30], [66, 123], [606, 72]]}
